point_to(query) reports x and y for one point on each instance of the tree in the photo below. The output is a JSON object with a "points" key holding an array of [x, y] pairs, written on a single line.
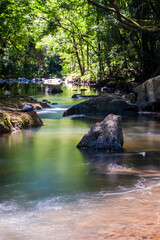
{"points": [[18, 55], [140, 18], [89, 38]]}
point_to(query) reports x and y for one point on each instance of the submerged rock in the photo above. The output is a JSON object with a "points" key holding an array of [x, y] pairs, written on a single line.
{"points": [[54, 103], [102, 105], [45, 101], [83, 96], [77, 96], [106, 135]]}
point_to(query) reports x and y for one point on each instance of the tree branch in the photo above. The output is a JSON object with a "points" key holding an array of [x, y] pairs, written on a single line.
{"points": [[80, 35], [126, 20]]}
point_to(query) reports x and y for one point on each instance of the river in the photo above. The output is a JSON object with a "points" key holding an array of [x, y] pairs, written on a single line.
{"points": [[49, 190]]}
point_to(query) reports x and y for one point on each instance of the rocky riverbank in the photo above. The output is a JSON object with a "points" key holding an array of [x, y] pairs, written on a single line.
{"points": [[13, 118]]}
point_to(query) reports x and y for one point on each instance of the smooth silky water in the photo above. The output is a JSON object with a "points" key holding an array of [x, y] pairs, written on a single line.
{"points": [[50, 190]]}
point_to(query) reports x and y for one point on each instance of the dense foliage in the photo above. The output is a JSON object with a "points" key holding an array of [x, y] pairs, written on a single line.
{"points": [[92, 39]]}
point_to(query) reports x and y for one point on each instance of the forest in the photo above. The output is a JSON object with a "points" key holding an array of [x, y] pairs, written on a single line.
{"points": [[92, 39]]}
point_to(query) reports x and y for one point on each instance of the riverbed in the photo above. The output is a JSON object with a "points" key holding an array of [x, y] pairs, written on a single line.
{"points": [[50, 190]]}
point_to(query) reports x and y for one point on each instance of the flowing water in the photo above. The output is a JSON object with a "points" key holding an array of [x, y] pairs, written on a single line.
{"points": [[49, 190]]}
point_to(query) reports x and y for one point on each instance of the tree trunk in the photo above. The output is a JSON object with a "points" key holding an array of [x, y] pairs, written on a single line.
{"points": [[149, 64], [83, 58], [99, 50], [77, 55]]}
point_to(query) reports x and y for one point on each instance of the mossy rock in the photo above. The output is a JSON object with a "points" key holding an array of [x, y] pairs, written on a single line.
{"points": [[18, 120], [4, 129], [5, 124]]}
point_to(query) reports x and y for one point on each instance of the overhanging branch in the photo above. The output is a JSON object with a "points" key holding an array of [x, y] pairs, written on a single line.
{"points": [[126, 20]]}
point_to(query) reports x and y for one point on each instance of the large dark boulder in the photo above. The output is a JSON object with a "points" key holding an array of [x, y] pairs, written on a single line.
{"points": [[102, 105], [106, 135], [148, 95], [149, 91]]}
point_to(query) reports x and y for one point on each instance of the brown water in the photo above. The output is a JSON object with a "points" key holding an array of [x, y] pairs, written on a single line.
{"points": [[50, 190]]}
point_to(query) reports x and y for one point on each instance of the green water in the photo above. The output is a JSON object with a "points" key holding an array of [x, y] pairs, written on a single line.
{"points": [[42, 171]]}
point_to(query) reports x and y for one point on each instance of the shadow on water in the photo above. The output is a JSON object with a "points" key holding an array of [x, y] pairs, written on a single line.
{"points": [[133, 164]]}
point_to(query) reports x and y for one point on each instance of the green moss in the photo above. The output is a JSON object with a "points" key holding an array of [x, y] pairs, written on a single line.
{"points": [[11, 117], [5, 124], [19, 120]]}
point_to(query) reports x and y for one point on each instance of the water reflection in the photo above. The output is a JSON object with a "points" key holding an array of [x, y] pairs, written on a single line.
{"points": [[44, 163], [101, 159]]}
